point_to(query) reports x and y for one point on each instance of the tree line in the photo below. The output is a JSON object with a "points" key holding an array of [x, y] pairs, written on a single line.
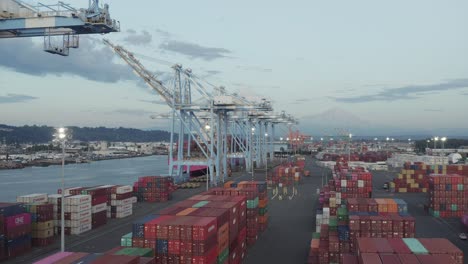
{"points": [[43, 134], [420, 145]]}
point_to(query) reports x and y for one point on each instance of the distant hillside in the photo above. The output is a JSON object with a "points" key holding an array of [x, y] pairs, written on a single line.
{"points": [[43, 134]]}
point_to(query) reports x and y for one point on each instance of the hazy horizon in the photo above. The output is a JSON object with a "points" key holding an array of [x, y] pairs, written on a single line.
{"points": [[399, 67]]}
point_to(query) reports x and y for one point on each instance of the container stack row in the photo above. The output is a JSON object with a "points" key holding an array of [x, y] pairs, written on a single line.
{"points": [[15, 230], [42, 218], [203, 229], [261, 203], [120, 201], [414, 177], [288, 173], [98, 205], [154, 188], [447, 195], [122, 256], [406, 250]]}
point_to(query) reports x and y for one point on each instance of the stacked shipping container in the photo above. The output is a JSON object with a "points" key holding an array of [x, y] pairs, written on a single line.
{"points": [[15, 225], [98, 205], [120, 201], [154, 188], [406, 250], [447, 195], [42, 216], [414, 177]]}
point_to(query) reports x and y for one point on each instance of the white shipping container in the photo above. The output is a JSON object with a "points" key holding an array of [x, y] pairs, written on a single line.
{"points": [[33, 198], [78, 223], [67, 190], [80, 215], [121, 208], [123, 189], [121, 214], [81, 229], [123, 202], [99, 208], [344, 183], [338, 195], [317, 229], [77, 208], [360, 183], [54, 198], [338, 201], [326, 221], [78, 199]]}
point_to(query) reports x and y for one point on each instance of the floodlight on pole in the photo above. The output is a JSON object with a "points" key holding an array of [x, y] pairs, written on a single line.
{"points": [[61, 136]]}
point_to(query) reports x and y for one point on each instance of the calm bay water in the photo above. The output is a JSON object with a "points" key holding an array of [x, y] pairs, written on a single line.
{"points": [[48, 179]]}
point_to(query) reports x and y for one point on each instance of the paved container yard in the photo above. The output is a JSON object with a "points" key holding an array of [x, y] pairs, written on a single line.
{"points": [[291, 223]]}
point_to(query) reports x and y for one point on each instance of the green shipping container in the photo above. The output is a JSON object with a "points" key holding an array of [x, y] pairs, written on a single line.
{"points": [[460, 187], [126, 240], [251, 204], [454, 207], [223, 256], [415, 246], [200, 204], [262, 211], [316, 235], [141, 252]]}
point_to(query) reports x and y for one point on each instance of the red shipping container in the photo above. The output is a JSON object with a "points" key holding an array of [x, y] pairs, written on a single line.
{"points": [[390, 259], [369, 258], [408, 259], [399, 246], [208, 258], [204, 227], [17, 220]]}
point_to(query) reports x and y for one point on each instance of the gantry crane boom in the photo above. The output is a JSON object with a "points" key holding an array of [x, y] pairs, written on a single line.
{"points": [[146, 75]]}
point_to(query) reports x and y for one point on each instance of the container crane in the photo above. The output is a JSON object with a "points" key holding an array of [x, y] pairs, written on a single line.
{"points": [[20, 19], [207, 121]]}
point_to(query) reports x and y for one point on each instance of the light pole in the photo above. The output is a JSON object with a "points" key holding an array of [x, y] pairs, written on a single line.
{"points": [[266, 163], [207, 129], [61, 136], [435, 141], [443, 142], [252, 152], [349, 148]]}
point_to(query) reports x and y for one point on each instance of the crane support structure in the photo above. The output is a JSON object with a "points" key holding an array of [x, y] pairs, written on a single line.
{"points": [[19, 19], [218, 124]]}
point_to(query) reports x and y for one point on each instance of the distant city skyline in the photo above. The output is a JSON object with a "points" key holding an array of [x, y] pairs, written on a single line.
{"points": [[395, 66]]}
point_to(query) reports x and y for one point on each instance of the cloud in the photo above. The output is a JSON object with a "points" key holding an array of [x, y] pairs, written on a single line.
{"points": [[133, 112], [213, 72], [408, 92], [92, 61], [135, 38], [254, 68], [302, 100], [158, 102], [194, 51], [433, 110], [16, 98], [163, 33]]}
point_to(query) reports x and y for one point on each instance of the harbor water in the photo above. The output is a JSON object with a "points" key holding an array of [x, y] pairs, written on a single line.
{"points": [[48, 179]]}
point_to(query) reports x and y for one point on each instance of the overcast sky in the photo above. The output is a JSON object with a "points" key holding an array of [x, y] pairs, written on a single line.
{"points": [[403, 63]]}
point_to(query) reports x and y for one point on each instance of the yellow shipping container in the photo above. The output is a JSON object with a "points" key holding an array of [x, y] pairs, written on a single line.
{"points": [[424, 167], [404, 171], [410, 181], [402, 190], [460, 167], [420, 176], [400, 176], [415, 185], [424, 189], [392, 185]]}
